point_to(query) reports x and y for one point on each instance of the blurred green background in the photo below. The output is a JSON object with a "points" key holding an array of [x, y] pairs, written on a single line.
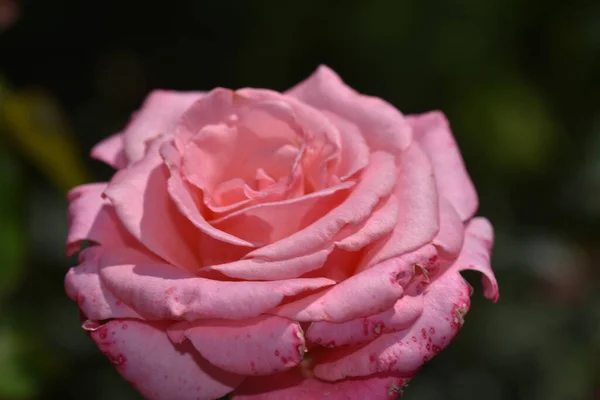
{"points": [[518, 79]]}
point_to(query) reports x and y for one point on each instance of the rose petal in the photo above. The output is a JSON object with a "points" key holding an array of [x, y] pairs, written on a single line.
{"points": [[340, 265], [319, 138], [293, 384], [370, 292], [257, 269], [449, 239], [83, 285], [161, 291], [267, 124], [377, 182], [446, 301], [186, 200], [418, 221], [215, 252], [475, 255], [380, 223], [354, 149], [404, 313], [268, 223], [93, 218], [242, 150], [262, 345], [247, 105], [159, 114], [139, 195], [111, 151], [432, 131], [383, 126], [258, 108], [160, 370]]}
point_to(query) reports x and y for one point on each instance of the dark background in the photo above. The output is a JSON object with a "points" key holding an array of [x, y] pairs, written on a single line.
{"points": [[518, 79]]}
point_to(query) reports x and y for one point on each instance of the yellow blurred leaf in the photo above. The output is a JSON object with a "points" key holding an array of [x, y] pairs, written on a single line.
{"points": [[36, 125]]}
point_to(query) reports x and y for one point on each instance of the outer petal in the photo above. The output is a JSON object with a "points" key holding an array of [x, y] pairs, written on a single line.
{"points": [[83, 285], [404, 352], [377, 183], [418, 222], [370, 292], [160, 370], [293, 384], [446, 303], [93, 218], [259, 346], [475, 255], [383, 126], [158, 115], [432, 132], [161, 291], [404, 313], [111, 151], [139, 195]]}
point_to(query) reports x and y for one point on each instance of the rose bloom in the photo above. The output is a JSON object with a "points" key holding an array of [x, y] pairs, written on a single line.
{"points": [[265, 245]]}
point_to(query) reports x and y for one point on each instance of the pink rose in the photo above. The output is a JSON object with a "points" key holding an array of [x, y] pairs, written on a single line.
{"points": [[302, 245]]}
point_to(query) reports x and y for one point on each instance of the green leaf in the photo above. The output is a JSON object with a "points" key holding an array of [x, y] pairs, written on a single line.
{"points": [[16, 381]]}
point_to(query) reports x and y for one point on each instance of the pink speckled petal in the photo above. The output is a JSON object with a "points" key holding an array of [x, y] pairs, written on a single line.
{"points": [[262, 345], [257, 269], [370, 292], [111, 151], [293, 384], [449, 239], [404, 352], [139, 196], [93, 218], [418, 221], [432, 131], [476, 252], [382, 125], [158, 369], [161, 291], [159, 115], [376, 184], [83, 285], [404, 313]]}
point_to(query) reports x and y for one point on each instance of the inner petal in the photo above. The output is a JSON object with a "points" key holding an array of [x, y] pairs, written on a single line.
{"points": [[262, 181], [256, 166], [228, 192]]}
